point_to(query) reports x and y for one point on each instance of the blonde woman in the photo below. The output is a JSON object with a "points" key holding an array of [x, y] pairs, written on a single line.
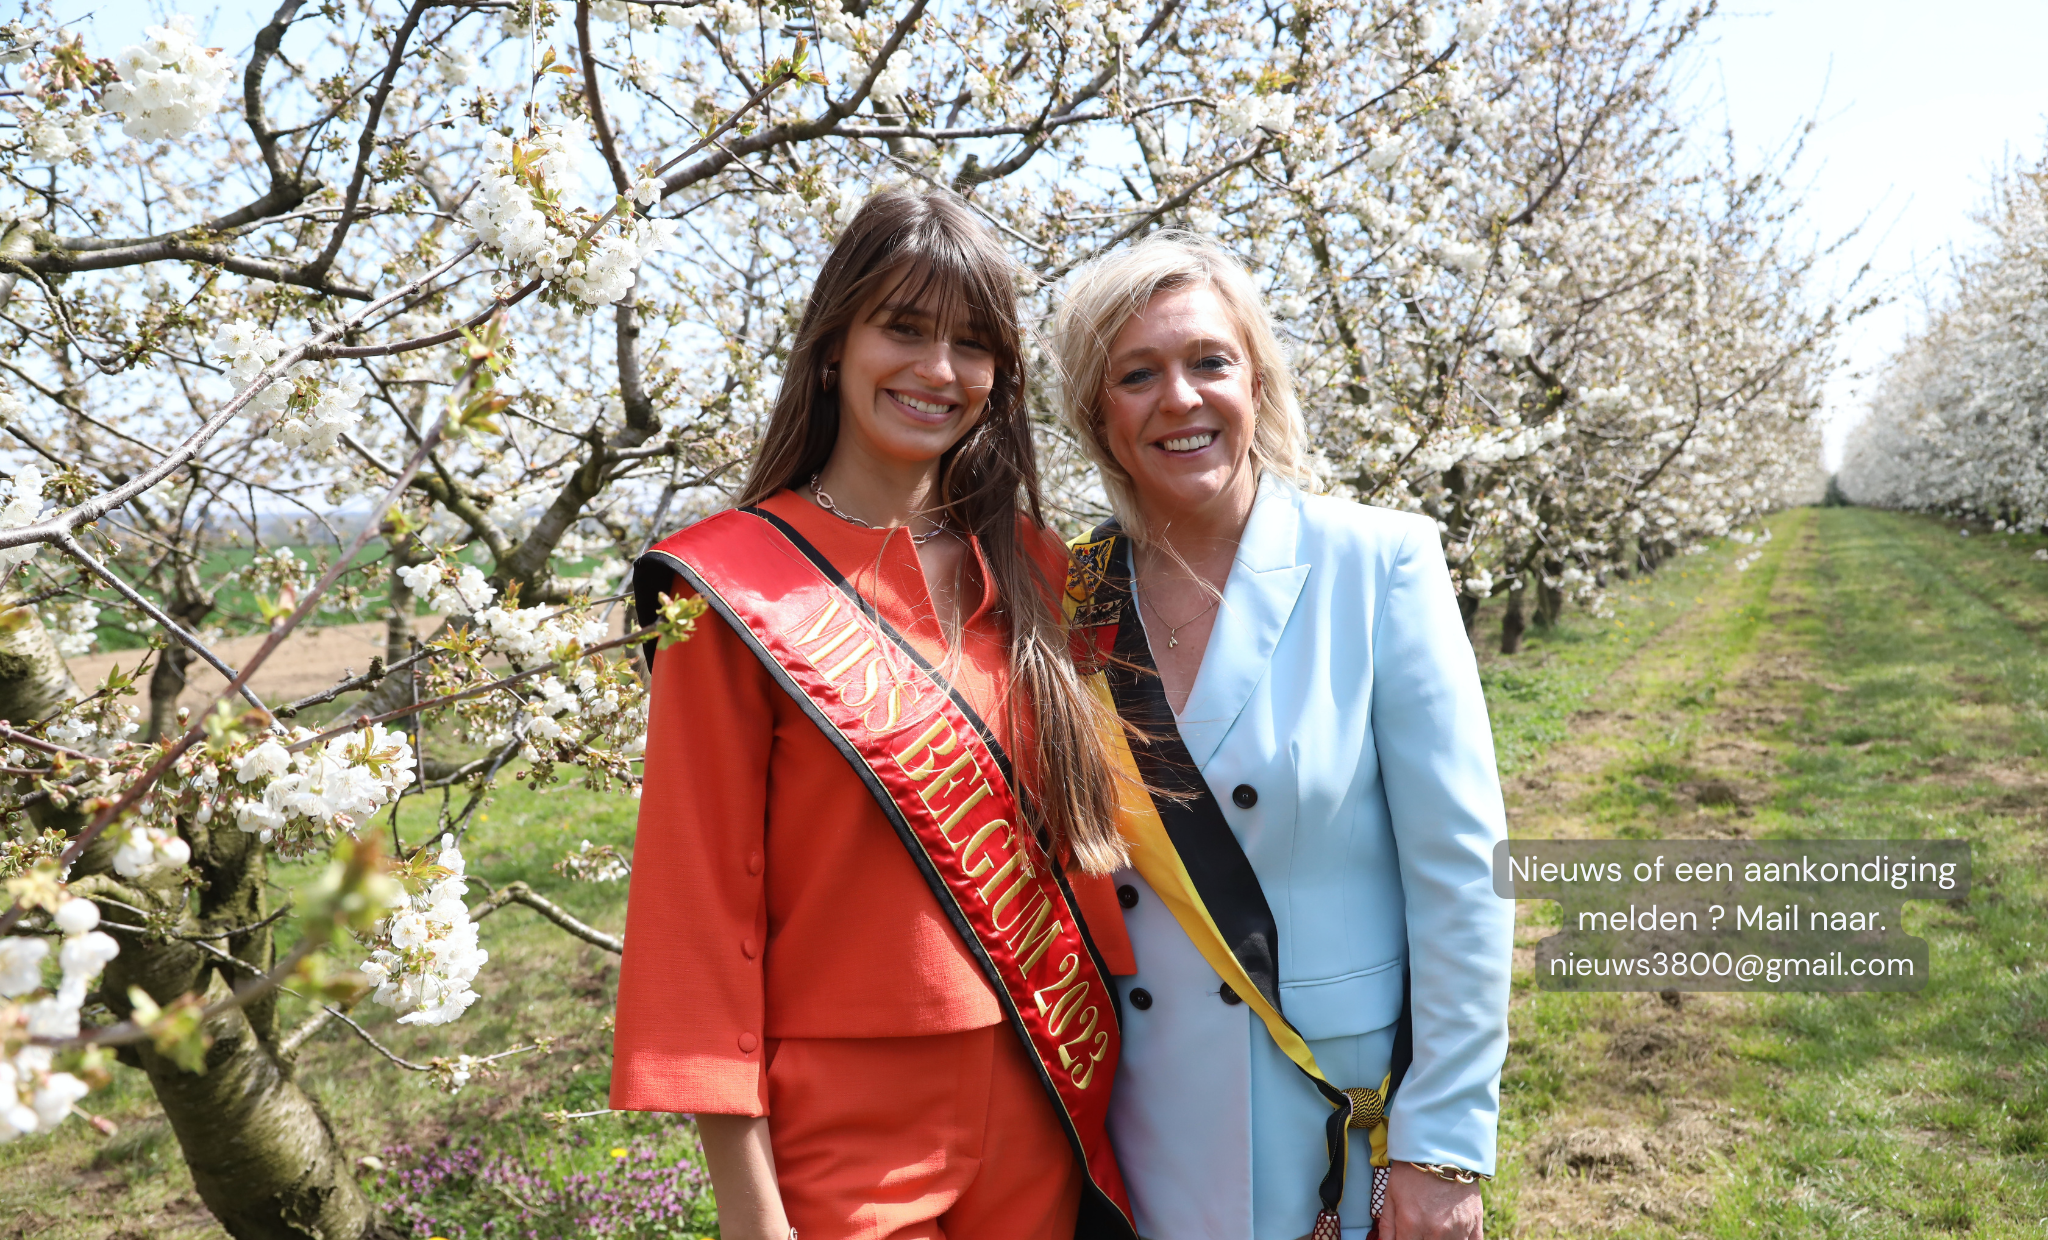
{"points": [[1322, 963]]}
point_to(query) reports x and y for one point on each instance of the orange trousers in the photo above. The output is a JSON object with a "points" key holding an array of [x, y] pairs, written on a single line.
{"points": [[919, 1138]]}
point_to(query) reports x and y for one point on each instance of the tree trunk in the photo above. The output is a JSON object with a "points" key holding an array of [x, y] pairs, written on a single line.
{"points": [[1549, 599], [261, 1152], [35, 683], [34, 680], [262, 1156], [165, 684], [1468, 607], [1512, 622], [188, 605]]}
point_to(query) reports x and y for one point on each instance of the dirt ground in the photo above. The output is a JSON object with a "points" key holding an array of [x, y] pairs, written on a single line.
{"points": [[310, 660]]}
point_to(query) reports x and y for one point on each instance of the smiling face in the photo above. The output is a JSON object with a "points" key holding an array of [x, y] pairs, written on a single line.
{"points": [[1179, 407], [910, 386]]}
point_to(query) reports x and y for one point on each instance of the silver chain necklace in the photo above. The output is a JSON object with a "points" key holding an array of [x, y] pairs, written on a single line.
{"points": [[825, 502]]}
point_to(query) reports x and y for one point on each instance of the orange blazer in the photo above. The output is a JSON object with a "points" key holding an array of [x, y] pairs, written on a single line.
{"points": [[770, 897]]}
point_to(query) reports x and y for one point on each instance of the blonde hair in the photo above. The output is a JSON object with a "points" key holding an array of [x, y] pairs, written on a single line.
{"points": [[1105, 294]]}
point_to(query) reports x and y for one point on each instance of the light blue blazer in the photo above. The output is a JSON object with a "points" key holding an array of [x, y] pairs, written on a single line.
{"points": [[1338, 684]]}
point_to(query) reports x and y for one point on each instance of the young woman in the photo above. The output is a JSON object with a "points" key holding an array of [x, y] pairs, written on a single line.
{"points": [[852, 952], [1311, 902]]}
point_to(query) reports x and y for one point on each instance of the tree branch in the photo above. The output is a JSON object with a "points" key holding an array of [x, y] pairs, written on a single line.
{"points": [[520, 893]]}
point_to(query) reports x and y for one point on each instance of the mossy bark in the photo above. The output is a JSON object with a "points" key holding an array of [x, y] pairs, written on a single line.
{"points": [[263, 1157]]}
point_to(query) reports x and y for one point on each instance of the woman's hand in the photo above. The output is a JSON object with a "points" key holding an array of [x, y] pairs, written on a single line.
{"points": [[742, 1166], [1420, 1206]]}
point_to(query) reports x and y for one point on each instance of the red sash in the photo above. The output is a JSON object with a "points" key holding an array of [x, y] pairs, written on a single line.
{"points": [[945, 785]]}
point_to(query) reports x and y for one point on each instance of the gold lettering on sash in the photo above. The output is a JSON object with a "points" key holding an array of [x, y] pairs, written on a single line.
{"points": [[1070, 972], [870, 684], [1035, 929], [1009, 868], [1023, 881], [1083, 1073], [832, 643], [975, 844], [943, 782], [953, 819], [1087, 1024], [860, 652], [825, 614], [941, 726], [890, 707], [1064, 1007]]}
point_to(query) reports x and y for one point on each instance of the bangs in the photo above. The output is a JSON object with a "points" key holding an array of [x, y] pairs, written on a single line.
{"points": [[930, 276]]}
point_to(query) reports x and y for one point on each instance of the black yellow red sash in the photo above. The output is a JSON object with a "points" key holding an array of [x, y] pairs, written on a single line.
{"points": [[1183, 847], [945, 785]]}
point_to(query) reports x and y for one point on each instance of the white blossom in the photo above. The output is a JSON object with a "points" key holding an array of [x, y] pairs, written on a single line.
{"points": [[142, 847], [76, 916], [33, 1097], [453, 67], [425, 955], [169, 84], [21, 965], [24, 506], [318, 428]]}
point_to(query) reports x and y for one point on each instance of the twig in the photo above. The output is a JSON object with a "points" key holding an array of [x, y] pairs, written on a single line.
{"points": [[475, 691], [289, 1048], [194, 734], [32, 742], [520, 893], [71, 547]]}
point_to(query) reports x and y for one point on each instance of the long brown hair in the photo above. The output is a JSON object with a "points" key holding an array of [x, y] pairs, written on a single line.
{"points": [[930, 244]]}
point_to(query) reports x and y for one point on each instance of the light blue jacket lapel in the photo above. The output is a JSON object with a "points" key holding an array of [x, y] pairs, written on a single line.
{"points": [[1258, 598]]}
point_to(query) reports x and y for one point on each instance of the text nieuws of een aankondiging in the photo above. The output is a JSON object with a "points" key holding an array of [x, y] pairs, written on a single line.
{"points": [[1732, 914]]}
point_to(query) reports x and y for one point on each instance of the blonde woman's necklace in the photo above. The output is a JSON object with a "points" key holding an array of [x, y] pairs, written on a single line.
{"points": [[825, 502], [1173, 630]]}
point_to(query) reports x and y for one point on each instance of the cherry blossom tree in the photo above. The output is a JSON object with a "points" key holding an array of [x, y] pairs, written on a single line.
{"points": [[475, 298], [1960, 415]]}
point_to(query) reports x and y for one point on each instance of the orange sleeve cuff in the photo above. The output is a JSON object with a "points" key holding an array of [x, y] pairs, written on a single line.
{"points": [[691, 1084]]}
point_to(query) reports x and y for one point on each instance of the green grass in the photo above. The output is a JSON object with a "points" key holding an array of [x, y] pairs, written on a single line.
{"points": [[540, 983], [1870, 675]]}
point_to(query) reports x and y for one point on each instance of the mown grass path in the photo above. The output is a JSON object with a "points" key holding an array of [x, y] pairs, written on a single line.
{"points": [[1869, 675]]}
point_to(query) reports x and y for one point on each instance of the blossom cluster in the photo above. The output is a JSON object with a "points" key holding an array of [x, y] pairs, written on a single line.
{"points": [[595, 863], [516, 211], [587, 704], [99, 726], [24, 506], [169, 84], [312, 411], [34, 1095], [296, 790], [71, 623], [425, 955], [143, 847]]}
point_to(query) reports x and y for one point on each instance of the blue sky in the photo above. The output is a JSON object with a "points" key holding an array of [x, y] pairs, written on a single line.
{"points": [[1918, 104]]}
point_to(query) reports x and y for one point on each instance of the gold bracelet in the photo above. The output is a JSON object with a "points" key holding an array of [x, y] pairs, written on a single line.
{"points": [[1446, 1172]]}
